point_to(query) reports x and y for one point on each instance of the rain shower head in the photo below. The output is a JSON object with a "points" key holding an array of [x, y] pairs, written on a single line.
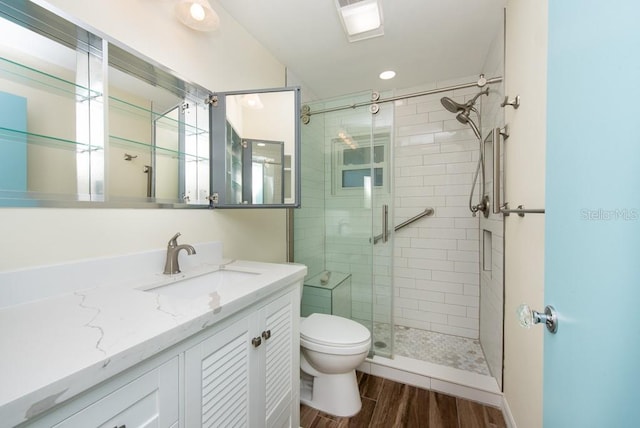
{"points": [[451, 105], [455, 107]]}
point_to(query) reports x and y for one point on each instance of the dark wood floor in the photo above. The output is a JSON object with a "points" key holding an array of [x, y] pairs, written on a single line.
{"points": [[388, 404]]}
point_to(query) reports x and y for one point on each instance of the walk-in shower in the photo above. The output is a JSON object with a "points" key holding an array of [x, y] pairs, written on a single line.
{"points": [[370, 166]]}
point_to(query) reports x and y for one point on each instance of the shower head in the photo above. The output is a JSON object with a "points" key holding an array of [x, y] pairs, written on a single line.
{"points": [[463, 117], [451, 105], [455, 107]]}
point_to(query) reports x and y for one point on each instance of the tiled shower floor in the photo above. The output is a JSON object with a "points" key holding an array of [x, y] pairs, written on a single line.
{"points": [[452, 351]]}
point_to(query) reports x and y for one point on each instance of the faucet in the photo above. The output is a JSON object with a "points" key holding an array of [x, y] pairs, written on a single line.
{"points": [[171, 265]]}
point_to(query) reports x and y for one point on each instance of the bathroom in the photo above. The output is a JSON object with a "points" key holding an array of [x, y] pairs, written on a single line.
{"points": [[30, 240]]}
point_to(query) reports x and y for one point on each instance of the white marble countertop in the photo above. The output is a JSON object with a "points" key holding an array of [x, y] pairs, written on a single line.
{"points": [[55, 348]]}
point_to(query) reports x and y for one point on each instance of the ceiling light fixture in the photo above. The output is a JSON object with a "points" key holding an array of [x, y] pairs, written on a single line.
{"points": [[197, 14], [386, 75], [361, 19]]}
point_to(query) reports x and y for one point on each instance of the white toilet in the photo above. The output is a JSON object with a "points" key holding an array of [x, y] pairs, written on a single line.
{"points": [[331, 347]]}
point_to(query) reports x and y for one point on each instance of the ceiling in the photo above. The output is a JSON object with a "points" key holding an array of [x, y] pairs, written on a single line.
{"points": [[424, 41]]}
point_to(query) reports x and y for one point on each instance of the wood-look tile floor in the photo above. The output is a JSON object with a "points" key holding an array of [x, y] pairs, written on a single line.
{"points": [[388, 404]]}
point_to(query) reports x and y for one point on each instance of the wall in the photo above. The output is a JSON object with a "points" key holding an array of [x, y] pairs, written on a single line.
{"points": [[42, 236], [492, 227], [436, 259], [525, 73]]}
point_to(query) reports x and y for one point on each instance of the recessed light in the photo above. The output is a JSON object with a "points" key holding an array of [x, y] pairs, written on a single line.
{"points": [[386, 75]]}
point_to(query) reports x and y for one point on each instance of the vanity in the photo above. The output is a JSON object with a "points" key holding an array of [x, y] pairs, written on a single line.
{"points": [[115, 342]]}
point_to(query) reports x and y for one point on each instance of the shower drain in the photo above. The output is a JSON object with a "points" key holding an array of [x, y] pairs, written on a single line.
{"points": [[380, 344]]}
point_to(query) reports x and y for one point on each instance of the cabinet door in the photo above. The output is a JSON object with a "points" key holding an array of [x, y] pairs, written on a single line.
{"points": [[279, 365], [152, 400], [218, 379]]}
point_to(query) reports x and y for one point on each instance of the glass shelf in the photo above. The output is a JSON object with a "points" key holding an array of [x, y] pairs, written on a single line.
{"points": [[32, 77], [15, 136], [160, 151], [162, 119]]}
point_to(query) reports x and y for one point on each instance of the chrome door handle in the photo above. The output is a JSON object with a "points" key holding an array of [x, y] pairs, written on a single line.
{"points": [[256, 341], [528, 317]]}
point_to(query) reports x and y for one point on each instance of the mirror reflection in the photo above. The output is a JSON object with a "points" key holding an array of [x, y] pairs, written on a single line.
{"points": [[49, 92], [260, 136]]}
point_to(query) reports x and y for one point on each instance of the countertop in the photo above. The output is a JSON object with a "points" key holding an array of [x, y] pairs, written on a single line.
{"points": [[58, 347]]}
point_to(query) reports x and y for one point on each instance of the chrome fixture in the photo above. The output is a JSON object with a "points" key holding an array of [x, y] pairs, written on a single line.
{"points": [[515, 103], [173, 249], [528, 318], [499, 134], [426, 212], [462, 112]]}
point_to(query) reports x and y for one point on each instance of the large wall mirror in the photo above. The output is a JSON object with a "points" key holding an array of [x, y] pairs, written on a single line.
{"points": [[85, 121], [256, 146]]}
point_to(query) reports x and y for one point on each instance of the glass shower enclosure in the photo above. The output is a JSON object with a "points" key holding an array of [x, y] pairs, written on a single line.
{"points": [[343, 231]]}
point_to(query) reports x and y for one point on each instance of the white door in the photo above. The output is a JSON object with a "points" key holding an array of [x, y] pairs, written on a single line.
{"points": [[592, 253]]}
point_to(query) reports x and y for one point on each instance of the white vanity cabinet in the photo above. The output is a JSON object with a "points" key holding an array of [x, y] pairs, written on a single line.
{"points": [[150, 400], [245, 374]]}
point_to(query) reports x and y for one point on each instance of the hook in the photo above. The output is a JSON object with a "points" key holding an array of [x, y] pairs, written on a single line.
{"points": [[128, 157], [515, 103]]}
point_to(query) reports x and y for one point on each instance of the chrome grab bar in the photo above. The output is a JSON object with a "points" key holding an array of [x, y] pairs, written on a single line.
{"points": [[498, 207], [426, 212]]}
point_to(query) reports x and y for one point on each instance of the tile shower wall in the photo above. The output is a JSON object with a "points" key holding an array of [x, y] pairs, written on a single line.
{"points": [[492, 250], [436, 263]]}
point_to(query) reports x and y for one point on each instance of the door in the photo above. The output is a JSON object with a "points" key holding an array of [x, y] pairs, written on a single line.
{"points": [[592, 255]]}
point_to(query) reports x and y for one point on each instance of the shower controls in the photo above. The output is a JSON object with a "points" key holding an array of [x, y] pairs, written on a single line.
{"points": [[515, 103], [528, 317]]}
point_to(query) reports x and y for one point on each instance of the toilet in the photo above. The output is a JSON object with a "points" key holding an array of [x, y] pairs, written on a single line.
{"points": [[331, 347]]}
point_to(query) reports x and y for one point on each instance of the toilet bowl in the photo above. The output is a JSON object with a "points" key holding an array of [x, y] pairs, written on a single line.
{"points": [[331, 348]]}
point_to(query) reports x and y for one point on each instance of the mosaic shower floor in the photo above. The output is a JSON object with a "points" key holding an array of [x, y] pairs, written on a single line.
{"points": [[452, 351]]}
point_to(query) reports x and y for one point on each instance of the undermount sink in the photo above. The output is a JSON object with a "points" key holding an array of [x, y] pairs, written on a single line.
{"points": [[192, 287]]}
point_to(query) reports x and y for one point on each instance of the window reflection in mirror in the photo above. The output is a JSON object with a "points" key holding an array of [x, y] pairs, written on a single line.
{"points": [[260, 142]]}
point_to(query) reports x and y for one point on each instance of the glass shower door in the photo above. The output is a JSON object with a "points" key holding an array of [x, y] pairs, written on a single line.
{"points": [[354, 146]]}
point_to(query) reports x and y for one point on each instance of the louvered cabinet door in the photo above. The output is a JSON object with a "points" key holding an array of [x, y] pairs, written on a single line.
{"points": [[218, 379], [279, 361]]}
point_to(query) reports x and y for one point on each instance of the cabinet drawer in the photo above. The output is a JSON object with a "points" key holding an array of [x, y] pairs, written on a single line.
{"points": [[152, 400]]}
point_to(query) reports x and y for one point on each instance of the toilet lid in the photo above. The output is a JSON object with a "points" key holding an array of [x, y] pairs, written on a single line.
{"points": [[333, 330]]}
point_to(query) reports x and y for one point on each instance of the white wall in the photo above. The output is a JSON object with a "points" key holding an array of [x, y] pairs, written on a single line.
{"points": [[492, 227], [40, 236], [526, 70]]}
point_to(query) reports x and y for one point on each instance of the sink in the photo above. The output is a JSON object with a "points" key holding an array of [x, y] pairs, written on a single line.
{"points": [[189, 288]]}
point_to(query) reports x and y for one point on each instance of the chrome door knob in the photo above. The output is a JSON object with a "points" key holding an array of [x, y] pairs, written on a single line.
{"points": [[528, 317]]}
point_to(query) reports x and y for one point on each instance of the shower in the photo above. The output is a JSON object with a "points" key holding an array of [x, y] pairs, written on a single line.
{"points": [[463, 112]]}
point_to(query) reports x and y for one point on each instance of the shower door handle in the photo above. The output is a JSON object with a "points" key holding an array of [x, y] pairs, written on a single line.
{"points": [[385, 223]]}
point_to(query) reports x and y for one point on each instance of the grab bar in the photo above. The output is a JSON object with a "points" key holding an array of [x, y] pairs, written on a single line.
{"points": [[426, 212], [499, 208]]}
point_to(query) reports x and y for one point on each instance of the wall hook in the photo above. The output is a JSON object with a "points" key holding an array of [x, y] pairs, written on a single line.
{"points": [[128, 157], [515, 103]]}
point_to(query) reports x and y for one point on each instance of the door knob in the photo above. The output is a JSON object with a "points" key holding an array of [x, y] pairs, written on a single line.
{"points": [[527, 317]]}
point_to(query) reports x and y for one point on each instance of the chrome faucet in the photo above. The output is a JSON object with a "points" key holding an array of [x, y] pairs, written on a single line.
{"points": [[173, 249]]}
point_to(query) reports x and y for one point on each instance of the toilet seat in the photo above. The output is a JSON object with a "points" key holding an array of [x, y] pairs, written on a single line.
{"points": [[334, 335]]}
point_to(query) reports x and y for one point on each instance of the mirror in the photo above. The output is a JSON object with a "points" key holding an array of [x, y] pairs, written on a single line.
{"points": [[50, 89], [158, 134], [256, 143], [55, 100], [76, 133]]}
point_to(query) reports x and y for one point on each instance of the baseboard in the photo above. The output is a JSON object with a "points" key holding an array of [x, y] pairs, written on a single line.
{"points": [[506, 412], [460, 383]]}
